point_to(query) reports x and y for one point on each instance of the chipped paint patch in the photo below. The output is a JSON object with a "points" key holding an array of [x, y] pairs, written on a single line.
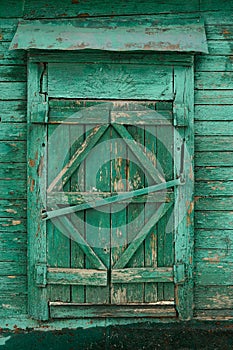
{"points": [[3, 340]]}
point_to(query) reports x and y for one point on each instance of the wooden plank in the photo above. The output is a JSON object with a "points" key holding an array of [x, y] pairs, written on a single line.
{"points": [[13, 247], [213, 173], [128, 253], [13, 131], [77, 180], [213, 238], [11, 56], [13, 111], [151, 241], [184, 204], [222, 128], [219, 32], [75, 198], [115, 81], [206, 63], [137, 179], [219, 274], [217, 315], [13, 171], [87, 277], [14, 208], [13, 73], [127, 35], [142, 274], [213, 143], [109, 200], [213, 112], [213, 219], [214, 255], [214, 158], [90, 56], [214, 297], [8, 28], [15, 6], [13, 91], [212, 97], [13, 151], [147, 117], [165, 236], [139, 153], [66, 227], [89, 115], [10, 189], [12, 283], [77, 158], [212, 17], [213, 80], [59, 310], [13, 304], [38, 9], [36, 193], [98, 222], [214, 188], [217, 203], [219, 47], [58, 242], [13, 268], [119, 183], [214, 5]]}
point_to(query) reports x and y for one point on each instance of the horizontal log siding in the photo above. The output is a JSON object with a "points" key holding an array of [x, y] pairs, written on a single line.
{"points": [[13, 235], [213, 142], [214, 166]]}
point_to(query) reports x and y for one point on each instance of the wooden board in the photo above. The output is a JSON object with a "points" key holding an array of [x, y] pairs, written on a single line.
{"points": [[109, 81]]}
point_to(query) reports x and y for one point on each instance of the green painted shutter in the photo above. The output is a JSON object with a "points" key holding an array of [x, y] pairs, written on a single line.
{"points": [[111, 176]]}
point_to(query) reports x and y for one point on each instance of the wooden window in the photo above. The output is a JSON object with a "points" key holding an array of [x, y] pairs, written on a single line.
{"points": [[110, 185]]}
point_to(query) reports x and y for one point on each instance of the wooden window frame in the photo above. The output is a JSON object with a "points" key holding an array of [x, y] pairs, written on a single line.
{"points": [[37, 152]]}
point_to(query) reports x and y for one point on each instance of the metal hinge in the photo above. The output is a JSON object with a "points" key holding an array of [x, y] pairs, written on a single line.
{"points": [[179, 273], [41, 275]]}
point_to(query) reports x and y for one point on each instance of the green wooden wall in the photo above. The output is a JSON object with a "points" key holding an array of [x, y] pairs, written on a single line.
{"points": [[213, 148]]}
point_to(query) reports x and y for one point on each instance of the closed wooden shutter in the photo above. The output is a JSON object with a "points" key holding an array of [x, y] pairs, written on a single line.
{"points": [[110, 168]]}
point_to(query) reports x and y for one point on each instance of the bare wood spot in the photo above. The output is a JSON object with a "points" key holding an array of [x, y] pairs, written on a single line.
{"points": [[31, 162], [11, 211], [40, 166], [32, 185], [16, 222]]}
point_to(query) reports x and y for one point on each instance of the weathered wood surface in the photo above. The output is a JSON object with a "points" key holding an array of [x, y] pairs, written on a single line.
{"points": [[110, 81], [11, 8], [59, 310], [13, 111], [40, 9], [213, 238], [88, 277], [213, 173], [211, 105], [140, 33]]}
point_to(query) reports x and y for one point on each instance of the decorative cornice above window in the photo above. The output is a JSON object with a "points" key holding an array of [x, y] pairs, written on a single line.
{"points": [[170, 34]]}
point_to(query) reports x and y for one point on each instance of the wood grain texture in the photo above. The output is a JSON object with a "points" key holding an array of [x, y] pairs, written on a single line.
{"points": [[214, 182], [213, 238], [13, 111], [211, 173], [40, 9], [13, 152], [110, 81], [214, 188], [12, 8]]}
